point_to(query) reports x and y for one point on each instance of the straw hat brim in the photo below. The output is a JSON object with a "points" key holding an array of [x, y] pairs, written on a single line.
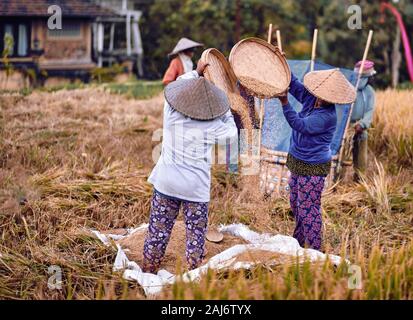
{"points": [[184, 44], [197, 99], [330, 86]]}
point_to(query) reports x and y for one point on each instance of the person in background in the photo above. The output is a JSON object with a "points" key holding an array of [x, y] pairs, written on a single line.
{"points": [[362, 116], [196, 116], [181, 61], [309, 156]]}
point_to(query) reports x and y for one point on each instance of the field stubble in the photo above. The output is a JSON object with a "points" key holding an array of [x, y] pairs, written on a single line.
{"points": [[73, 160]]}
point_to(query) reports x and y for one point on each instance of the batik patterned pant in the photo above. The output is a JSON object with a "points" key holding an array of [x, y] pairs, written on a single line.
{"points": [[305, 202], [164, 211]]}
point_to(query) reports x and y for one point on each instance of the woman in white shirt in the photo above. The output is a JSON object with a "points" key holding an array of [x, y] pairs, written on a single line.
{"points": [[196, 117]]}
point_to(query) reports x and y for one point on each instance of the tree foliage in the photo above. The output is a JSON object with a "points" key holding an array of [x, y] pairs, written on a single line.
{"points": [[213, 22]]}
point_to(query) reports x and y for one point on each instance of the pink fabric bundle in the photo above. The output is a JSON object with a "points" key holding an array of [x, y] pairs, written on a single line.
{"points": [[368, 67]]}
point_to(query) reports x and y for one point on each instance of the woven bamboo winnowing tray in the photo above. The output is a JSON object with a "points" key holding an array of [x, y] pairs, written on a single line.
{"points": [[259, 60], [220, 73]]}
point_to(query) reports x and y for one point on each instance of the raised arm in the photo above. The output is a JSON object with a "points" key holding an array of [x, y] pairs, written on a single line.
{"points": [[199, 71], [189, 75], [311, 125], [297, 89]]}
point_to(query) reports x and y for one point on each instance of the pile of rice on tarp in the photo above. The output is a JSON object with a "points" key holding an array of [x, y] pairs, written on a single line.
{"points": [[241, 248]]}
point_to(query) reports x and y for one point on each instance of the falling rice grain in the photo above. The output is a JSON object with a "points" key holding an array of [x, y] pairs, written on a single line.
{"points": [[240, 107], [259, 88]]}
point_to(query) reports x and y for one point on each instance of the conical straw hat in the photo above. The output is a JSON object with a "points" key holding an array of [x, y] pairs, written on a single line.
{"points": [[184, 44], [331, 86], [197, 98]]}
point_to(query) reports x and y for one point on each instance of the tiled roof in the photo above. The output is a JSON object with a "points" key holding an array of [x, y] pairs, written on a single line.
{"points": [[70, 8]]}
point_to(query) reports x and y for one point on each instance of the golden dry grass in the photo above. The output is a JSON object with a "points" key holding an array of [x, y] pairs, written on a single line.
{"points": [[393, 124], [79, 159]]}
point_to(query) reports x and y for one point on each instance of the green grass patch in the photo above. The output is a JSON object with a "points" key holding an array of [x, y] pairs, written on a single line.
{"points": [[67, 86], [137, 89]]}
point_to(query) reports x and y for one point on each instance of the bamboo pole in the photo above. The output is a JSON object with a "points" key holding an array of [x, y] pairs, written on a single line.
{"points": [[279, 44], [270, 33], [262, 100], [261, 122], [363, 61], [269, 39], [313, 51]]}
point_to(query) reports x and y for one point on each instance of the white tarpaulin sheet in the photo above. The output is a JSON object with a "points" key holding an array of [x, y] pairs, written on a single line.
{"points": [[152, 284]]}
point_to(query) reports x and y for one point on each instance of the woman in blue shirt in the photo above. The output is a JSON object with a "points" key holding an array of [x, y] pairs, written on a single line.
{"points": [[309, 157]]}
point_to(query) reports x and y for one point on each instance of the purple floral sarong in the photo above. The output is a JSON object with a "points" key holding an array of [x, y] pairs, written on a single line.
{"points": [[305, 202], [164, 211]]}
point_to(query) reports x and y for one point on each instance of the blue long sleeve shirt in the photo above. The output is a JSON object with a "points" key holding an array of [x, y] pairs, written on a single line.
{"points": [[313, 128]]}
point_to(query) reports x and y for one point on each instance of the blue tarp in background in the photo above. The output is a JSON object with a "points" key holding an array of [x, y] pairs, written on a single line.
{"points": [[276, 132]]}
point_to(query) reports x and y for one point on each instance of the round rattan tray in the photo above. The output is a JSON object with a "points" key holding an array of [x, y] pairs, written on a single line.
{"points": [[260, 67], [220, 73]]}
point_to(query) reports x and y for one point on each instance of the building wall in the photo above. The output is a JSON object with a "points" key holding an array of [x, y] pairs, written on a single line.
{"points": [[63, 57], [65, 51], [117, 4], [16, 81]]}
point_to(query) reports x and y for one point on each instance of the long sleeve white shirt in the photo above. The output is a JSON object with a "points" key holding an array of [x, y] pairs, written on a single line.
{"points": [[184, 168]]}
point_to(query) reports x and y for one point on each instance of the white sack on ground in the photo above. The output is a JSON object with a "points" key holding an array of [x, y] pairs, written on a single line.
{"points": [[152, 284]]}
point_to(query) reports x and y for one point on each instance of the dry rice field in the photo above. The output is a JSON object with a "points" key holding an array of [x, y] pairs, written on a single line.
{"points": [[77, 159]]}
